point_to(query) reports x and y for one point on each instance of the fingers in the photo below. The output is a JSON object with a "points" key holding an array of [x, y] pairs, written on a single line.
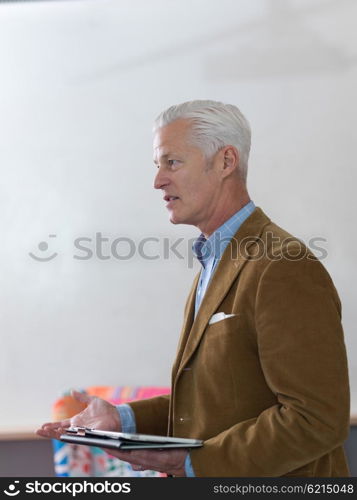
{"points": [[81, 396], [137, 458], [138, 467], [53, 430], [122, 455], [55, 425]]}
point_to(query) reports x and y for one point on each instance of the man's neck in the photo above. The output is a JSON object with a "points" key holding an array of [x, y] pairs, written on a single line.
{"points": [[220, 218]]}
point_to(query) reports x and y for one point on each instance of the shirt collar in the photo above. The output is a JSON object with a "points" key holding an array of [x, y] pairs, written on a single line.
{"points": [[213, 247]]}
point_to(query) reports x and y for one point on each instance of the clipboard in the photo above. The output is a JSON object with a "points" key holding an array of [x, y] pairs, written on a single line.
{"points": [[125, 441]]}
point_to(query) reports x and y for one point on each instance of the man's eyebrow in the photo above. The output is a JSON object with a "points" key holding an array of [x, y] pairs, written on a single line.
{"points": [[164, 157]]}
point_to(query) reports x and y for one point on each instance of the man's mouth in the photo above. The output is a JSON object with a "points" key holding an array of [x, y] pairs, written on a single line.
{"points": [[170, 198]]}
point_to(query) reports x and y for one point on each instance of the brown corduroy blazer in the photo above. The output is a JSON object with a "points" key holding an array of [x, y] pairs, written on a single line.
{"points": [[266, 389]]}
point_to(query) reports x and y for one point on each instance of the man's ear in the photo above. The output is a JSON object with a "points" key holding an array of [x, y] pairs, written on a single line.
{"points": [[230, 160]]}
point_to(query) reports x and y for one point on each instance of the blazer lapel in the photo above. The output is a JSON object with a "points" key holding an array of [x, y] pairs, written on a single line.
{"points": [[187, 325], [227, 271]]}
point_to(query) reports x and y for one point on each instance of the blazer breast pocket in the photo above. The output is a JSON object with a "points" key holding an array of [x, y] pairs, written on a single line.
{"points": [[220, 316], [213, 374], [222, 329]]}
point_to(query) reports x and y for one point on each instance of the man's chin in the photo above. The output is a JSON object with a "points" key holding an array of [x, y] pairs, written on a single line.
{"points": [[178, 220], [173, 220]]}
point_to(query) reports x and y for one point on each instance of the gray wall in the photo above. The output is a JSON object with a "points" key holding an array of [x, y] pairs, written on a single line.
{"points": [[30, 458]]}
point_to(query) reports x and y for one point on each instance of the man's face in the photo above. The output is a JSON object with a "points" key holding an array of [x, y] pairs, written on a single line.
{"points": [[189, 182]]}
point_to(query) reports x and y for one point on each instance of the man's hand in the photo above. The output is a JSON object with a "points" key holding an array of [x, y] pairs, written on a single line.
{"points": [[99, 414], [168, 461]]}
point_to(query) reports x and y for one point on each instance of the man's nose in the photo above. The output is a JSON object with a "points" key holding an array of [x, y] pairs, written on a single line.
{"points": [[161, 180]]}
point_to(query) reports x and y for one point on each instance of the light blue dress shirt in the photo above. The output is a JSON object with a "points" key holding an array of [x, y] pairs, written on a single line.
{"points": [[209, 252]]}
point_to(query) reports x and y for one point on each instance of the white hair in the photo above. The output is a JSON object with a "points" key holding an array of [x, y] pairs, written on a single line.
{"points": [[214, 125]]}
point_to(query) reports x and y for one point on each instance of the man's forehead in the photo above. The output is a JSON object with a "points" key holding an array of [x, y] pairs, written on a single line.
{"points": [[165, 140], [164, 146]]}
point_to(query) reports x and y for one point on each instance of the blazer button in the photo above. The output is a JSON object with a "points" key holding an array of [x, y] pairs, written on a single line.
{"points": [[181, 419]]}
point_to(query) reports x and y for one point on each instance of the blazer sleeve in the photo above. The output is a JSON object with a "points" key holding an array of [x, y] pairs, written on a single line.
{"points": [[151, 415], [303, 358]]}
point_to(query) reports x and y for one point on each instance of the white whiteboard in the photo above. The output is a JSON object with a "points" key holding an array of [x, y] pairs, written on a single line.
{"points": [[81, 83]]}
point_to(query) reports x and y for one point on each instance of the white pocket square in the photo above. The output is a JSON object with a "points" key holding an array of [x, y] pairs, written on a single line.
{"points": [[219, 317]]}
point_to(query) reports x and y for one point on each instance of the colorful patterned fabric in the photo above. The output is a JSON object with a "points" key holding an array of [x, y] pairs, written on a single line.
{"points": [[86, 461]]}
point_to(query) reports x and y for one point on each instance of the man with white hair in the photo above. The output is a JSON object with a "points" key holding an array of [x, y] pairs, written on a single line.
{"points": [[260, 373]]}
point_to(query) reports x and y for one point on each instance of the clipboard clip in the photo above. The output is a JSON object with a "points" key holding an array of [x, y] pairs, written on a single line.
{"points": [[78, 431]]}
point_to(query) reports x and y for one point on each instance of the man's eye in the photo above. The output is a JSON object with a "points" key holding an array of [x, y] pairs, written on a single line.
{"points": [[173, 163]]}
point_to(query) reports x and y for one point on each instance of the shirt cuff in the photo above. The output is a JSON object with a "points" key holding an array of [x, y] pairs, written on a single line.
{"points": [[188, 467], [127, 418]]}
